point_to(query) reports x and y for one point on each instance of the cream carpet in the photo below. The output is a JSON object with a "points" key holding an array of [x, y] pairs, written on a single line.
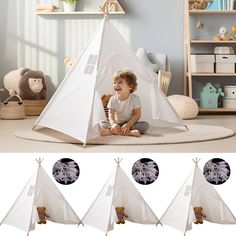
{"points": [[196, 133]]}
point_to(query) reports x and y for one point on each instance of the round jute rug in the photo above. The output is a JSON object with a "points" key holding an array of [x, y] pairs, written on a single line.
{"points": [[196, 133]]}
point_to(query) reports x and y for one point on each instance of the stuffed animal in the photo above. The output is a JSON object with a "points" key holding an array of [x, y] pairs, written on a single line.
{"points": [[120, 212], [199, 215], [222, 35], [105, 99], [28, 84], [69, 62], [42, 215]]}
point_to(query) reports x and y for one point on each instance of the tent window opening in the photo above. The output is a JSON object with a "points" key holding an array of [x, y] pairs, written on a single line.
{"points": [[31, 190], [90, 65], [109, 190], [187, 190]]}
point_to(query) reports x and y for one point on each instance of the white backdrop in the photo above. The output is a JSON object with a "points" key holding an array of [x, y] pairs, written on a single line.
{"points": [[16, 169]]}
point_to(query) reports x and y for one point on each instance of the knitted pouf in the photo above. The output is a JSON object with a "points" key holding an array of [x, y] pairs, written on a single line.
{"points": [[186, 107]]}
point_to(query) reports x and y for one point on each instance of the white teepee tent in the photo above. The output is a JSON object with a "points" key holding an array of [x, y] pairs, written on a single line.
{"points": [[196, 191], [76, 108], [40, 191], [118, 191]]}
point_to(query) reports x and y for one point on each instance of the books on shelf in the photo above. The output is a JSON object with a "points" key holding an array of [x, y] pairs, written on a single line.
{"points": [[47, 8], [225, 5]]}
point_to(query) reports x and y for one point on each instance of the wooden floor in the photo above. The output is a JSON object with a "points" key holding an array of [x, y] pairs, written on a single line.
{"points": [[10, 143]]}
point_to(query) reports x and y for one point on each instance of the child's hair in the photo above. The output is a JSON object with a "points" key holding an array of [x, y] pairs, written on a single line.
{"points": [[129, 77]]}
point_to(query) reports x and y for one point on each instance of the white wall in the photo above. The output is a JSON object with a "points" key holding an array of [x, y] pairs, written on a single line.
{"points": [[37, 42]]}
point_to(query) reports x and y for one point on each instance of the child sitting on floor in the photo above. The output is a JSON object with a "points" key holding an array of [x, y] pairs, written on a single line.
{"points": [[124, 108]]}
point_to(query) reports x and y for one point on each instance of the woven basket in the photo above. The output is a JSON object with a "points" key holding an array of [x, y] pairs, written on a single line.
{"points": [[13, 110]]}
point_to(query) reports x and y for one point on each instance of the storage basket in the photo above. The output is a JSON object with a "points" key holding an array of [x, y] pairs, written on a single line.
{"points": [[13, 110]]}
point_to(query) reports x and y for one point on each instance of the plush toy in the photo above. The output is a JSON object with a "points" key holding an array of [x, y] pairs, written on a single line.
{"points": [[222, 35], [120, 212], [105, 99], [199, 215], [198, 5], [42, 215], [69, 62], [28, 84]]}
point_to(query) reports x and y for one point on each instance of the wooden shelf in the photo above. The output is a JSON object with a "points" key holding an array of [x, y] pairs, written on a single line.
{"points": [[214, 74], [78, 13], [195, 41], [214, 110], [212, 11]]}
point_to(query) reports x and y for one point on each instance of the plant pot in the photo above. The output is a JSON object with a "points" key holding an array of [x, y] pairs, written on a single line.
{"points": [[68, 7]]}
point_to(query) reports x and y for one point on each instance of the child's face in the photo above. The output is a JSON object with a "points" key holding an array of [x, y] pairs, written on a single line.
{"points": [[121, 87]]}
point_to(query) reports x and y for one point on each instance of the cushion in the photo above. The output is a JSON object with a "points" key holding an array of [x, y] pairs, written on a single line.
{"points": [[143, 57], [186, 107]]}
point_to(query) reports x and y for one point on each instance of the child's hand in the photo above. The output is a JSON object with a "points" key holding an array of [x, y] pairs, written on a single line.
{"points": [[125, 129], [115, 129]]}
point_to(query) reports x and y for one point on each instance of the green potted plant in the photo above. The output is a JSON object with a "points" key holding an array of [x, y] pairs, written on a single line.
{"points": [[69, 5]]}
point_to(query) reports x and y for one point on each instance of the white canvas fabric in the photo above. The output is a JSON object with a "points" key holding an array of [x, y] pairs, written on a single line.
{"points": [[40, 191], [76, 108], [195, 192], [118, 191]]}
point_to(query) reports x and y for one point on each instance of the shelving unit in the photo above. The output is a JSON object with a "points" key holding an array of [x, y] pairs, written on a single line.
{"points": [[192, 43]]}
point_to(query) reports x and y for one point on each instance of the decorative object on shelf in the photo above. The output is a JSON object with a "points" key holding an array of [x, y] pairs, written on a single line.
{"points": [[186, 107], [47, 8], [30, 85], [233, 32], [199, 24], [223, 50], [198, 4], [229, 100], [209, 96], [69, 5], [223, 34], [111, 6], [215, 5], [13, 110]]}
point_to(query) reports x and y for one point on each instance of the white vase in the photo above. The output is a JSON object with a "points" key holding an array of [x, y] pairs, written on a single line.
{"points": [[68, 7]]}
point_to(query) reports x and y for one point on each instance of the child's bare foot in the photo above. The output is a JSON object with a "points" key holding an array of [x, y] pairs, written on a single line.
{"points": [[134, 133], [105, 132]]}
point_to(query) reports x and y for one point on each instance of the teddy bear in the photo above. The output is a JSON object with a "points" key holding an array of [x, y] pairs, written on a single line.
{"points": [[42, 215], [120, 212], [105, 99], [69, 62], [28, 84], [199, 215]]}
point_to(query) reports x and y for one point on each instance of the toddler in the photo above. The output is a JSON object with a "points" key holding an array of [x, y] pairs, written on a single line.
{"points": [[124, 108]]}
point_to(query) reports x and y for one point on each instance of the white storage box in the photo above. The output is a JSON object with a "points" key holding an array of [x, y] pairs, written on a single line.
{"points": [[229, 103], [230, 92], [223, 50], [202, 63], [225, 63]]}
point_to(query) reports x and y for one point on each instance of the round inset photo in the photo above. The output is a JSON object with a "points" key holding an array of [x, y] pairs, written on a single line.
{"points": [[216, 171], [145, 171], [65, 171]]}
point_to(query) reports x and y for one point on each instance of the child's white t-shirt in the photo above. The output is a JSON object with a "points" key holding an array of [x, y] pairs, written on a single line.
{"points": [[123, 109]]}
